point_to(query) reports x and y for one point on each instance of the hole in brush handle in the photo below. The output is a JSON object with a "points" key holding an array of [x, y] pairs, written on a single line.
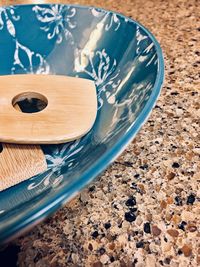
{"points": [[1, 147]]}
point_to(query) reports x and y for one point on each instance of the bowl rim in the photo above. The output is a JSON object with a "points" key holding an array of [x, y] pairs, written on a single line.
{"points": [[60, 198]]}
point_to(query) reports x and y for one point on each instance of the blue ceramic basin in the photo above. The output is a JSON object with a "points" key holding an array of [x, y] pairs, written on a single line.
{"points": [[126, 63]]}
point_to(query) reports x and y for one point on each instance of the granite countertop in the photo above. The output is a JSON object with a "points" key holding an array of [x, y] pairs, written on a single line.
{"points": [[145, 209]]}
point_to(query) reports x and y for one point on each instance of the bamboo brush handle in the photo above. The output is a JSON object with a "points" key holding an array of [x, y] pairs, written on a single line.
{"points": [[71, 107]]}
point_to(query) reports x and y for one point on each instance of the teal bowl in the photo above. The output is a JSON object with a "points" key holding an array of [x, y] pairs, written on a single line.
{"points": [[123, 59]]}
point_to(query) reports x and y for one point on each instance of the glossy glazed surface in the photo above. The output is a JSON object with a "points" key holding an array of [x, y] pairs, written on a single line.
{"points": [[123, 59]]}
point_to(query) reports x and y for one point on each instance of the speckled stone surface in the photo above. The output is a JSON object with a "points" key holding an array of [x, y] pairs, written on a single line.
{"points": [[145, 209]]}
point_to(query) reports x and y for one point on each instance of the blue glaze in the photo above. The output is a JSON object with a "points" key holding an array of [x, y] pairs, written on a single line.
{"points": [[126, 63]]}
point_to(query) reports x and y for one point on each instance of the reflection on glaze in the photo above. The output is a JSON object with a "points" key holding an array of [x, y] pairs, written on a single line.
{"points": [[109, 20]]}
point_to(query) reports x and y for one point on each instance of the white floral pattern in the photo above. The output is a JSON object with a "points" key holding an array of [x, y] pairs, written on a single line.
{"points": [[31, 59], [60, 154], [104, 68], [56, 160], [57, 21], [7, 18], [101, 73], [110, 19], [47, 180]]}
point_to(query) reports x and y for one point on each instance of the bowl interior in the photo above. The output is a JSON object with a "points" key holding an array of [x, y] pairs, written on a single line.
{"points": [[117, 53]]}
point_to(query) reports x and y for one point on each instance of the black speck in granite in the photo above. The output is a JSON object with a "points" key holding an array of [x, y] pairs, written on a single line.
{"points": [[147, 228], [125, 163], [140, 244], [151, 123], [112, 259], [190, 199], [91, 188], [136, 232], [174, 93], [102, 251], [115, 207], [161, 133], [196, 64], [135, 261], [95, 234], [194, 93], [118, 175], [134, 186], [130, 217], [37, 257], [175, 165], [157, 106], [129, 237], [144, 167], [178, 201], [182, 225], [167, 261], [90, 247], [128, 164], [120, 225], [180, 252], [131, 202], [171, 72], [114, 237], [137, 175], [83, 201], [133, 209], [107, 225]]}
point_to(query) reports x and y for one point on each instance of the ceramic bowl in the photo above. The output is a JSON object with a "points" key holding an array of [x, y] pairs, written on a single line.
{"points": [[126, 63]]}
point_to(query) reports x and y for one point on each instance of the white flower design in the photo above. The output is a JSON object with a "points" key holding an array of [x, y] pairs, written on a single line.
{"points": [[56, 160], [56, 20], [105, 67], [50, 178], [110, 19], [102, 69], [22, 54], [60, 154], [101, 72], [25, 59], [140, 37], [7, 16]]}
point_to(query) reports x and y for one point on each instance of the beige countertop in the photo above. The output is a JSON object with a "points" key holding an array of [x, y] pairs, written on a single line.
{"points": [[145, 209]]}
